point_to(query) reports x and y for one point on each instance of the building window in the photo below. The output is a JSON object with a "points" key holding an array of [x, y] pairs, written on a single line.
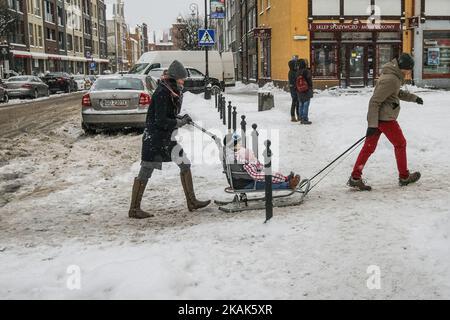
{"points": [[69, 42], [31, 34], [437, 8], [39, 36], [436, 54], [388, 7], [357, 7], [51, 34], [265, 59], [324, 60], [326, 7]]}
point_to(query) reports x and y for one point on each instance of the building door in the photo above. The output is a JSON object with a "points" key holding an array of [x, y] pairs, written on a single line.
{"points": [[356, 57]]}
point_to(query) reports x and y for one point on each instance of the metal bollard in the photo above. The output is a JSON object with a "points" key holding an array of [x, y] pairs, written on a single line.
{"points": [[229, 116], [234, 119], [215, 99], [255, 136], [224, 115], [244, 132], [268, 180], [219, 102]]}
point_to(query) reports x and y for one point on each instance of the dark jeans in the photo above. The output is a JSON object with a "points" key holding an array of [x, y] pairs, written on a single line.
{"points": [[303, 110], [294, 106]]}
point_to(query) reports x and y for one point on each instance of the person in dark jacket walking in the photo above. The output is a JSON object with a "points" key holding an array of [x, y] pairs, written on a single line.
{"points": [[384, 109], [158, 143], [292, 76], [305, 91]]}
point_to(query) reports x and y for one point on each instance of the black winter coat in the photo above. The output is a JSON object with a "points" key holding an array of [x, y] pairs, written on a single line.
{"points": [[305, 96], [157, 142], [292, 76]]}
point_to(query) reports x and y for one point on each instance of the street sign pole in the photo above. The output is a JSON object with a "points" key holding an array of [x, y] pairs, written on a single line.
{"points": [[206, 47]]}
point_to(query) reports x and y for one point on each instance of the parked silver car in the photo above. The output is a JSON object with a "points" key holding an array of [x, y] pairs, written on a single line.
{"points": [[26, 87], [117, 102], [3, 94]]}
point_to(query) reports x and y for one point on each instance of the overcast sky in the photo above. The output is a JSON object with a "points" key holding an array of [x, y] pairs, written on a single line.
{"points": [[158, 14]]}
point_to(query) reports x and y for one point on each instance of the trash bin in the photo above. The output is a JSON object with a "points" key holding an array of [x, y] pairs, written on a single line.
{"points": [[265, 101], [208, 91]]}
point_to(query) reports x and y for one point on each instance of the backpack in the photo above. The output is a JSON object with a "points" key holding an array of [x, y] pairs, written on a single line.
{"points": [[302, 84]]}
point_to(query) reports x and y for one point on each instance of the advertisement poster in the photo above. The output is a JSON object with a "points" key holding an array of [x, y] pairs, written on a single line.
{"points": [[433, 56], [217, 9]]}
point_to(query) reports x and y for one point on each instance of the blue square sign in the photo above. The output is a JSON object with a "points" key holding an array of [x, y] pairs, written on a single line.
{"points": [[206, 37]]}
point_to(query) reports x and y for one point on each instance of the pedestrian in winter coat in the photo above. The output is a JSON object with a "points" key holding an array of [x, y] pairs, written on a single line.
{"points": [[384, 108], [304, 94], [292, 76], [158, 143]]}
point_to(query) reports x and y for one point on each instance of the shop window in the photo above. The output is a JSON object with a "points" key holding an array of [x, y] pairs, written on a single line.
{"points": [[357, 36], [265, 59], [324, 57], [324, 36], [389, 36], [326, 7], [436, 55], [385, 54]]}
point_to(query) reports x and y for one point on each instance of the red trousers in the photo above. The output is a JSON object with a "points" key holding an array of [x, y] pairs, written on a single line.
{"points": [[393, 132]]}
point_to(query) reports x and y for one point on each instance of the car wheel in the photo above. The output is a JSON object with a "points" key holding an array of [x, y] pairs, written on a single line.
{"points": [[5, 98], [36, 94], [76, 87], [68, 88]]}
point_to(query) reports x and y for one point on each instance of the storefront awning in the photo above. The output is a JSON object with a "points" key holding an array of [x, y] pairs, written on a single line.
{"points": [[21, 54]]}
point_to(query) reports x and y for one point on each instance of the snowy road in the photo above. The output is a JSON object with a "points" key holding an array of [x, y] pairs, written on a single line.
{"points": [[64, 199]]}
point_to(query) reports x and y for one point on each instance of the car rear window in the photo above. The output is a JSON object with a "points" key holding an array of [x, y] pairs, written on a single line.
{"points": [[119, 84], [19, 79]]}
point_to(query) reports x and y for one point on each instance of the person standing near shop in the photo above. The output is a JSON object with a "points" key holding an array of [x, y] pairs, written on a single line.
{"points": [[384, 109], [292, 76], [304, 86]]}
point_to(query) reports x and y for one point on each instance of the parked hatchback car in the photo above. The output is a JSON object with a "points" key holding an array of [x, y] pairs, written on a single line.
{"points": [[26, 87], [60, 81], [117, 102], [3, 93]]}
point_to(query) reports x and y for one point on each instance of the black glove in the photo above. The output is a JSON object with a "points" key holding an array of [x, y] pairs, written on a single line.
{"points": [[419, 101], [181, 122], [372, 131], [187, 118]]}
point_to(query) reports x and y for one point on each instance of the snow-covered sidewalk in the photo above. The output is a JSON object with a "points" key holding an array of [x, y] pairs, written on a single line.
{"points": [[69, 218]]}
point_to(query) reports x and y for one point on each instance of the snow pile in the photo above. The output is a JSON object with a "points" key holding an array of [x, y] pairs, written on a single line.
{"points": [[72, 211]]}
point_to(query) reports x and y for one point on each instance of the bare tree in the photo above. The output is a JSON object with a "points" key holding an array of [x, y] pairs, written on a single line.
{"points": [[7, 18], [187, 35]]}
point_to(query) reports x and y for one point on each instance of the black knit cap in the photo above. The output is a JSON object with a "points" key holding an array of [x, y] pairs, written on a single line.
{"points": [[177, 71], [406, 61]]}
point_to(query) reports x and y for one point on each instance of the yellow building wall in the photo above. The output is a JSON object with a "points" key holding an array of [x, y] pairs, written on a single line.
{"points": [[286, 18], [408, 34]]}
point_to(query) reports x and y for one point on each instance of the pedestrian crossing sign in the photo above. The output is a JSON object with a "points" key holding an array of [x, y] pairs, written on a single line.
{"points": [[206, 37]]}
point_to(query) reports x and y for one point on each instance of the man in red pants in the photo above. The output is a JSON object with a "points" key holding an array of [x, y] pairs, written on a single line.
{"points": [[384, 108]]}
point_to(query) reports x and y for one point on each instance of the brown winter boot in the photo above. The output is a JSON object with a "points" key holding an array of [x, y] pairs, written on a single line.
{"points": [[188, 187], [358, 184], [136, 198], [413, 178], [293, 182], [294, 119]]}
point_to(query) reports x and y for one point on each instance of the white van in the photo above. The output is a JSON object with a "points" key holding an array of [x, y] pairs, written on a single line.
{"points": [[228, 69], [195, 59]]}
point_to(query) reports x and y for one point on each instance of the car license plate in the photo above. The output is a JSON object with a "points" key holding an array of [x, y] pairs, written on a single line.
{"points": [[115, 103]]}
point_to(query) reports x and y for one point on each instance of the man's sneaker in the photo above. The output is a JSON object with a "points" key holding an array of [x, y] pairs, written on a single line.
{"points": [[413, 178], [358, 184]]}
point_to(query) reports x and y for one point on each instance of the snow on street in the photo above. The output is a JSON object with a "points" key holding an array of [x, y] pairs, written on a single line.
{"points": [[64, 201]]}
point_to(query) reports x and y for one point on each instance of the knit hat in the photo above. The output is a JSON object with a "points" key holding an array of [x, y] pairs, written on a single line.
{"points": [[177, 71], [406, 61]]}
